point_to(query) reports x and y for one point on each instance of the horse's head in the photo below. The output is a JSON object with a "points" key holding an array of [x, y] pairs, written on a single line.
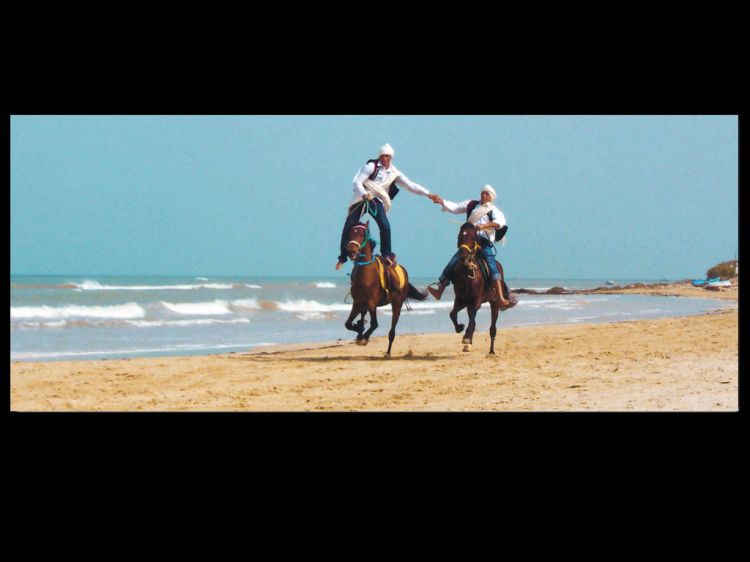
{"points": [[467, 245], [357, 236]]}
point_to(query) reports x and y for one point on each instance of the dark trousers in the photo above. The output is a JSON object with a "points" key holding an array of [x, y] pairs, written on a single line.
{"points": [[378, 213], [487, 252]]}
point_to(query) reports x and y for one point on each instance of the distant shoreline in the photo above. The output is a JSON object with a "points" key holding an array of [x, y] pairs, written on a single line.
{"points": [[677, 289]]}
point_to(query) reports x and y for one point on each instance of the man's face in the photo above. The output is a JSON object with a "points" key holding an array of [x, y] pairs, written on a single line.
{"points": [[485, 197], [385, 160]]}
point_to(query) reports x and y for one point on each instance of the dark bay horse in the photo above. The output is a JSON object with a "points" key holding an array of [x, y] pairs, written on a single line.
{"points": [[367, 291], [471, 290]]}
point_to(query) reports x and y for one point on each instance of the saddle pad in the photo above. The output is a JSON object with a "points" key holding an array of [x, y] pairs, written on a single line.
{"points": [[399, 273]]}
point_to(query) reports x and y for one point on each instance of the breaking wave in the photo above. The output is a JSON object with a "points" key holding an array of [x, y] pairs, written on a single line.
{"points": [[123, 311], [96, 286]]}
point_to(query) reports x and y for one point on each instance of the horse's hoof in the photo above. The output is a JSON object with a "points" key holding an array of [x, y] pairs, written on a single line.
{"points": [[459, 328], [466, 341], [387, 355], [361, 341], [467, 347], [491, 352]]}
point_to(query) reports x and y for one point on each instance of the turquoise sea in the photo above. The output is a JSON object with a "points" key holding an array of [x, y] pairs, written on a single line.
{"points": [[98, 317]]}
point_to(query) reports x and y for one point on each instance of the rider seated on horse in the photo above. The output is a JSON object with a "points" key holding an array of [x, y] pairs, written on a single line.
{"points": [[375, 185], [490, 224]]}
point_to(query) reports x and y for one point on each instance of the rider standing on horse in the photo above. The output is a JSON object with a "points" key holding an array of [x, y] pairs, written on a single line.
{"points": [[491, 226], [375, 185]]}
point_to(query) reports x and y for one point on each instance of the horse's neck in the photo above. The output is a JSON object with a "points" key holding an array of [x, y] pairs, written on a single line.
{"points": [[366, 252], [462, 268], [473, 259]]}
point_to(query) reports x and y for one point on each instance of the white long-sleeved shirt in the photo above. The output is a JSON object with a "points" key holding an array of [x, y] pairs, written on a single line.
{"points": [[460, 208], [384, 177]]}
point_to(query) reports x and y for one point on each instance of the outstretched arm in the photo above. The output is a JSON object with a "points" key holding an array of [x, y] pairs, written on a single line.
{"points": [[455, 208], [403, 181]]}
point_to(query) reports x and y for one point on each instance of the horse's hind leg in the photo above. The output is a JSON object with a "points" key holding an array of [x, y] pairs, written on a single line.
{"points": [[396, 308], [494, 308], [362, 339], [454, 316]]}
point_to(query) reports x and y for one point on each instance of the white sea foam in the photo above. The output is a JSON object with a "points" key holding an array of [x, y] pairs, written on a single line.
{"points": [[37, 325], [96, 286], [324, 285], [316, 315], [198, 308], [253, 286], [389, 312], [121, 311], [303, 305], [184, 323], [103, 323], [242, 305], [431, 305]]}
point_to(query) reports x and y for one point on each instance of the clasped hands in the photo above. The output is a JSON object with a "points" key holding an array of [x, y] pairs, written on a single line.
{"points": [[435, 198]]}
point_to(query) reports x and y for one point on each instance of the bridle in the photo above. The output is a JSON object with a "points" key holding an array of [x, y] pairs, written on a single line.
{"points": [[467, 260], [360, 245]]}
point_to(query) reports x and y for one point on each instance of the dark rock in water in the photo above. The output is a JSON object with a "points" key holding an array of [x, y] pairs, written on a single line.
{"points": [[556, 291], [610, 283]]}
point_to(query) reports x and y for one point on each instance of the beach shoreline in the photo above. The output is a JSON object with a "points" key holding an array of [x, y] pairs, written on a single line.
{"points": [[666, 364]]}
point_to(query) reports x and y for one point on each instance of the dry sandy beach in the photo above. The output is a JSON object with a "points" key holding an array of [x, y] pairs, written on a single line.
{"points": [[668, 364]]}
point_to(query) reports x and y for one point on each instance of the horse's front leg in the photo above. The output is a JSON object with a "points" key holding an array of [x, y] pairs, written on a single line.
{"points": [[358, 327], [363, 339], [472, 309], [457, 307]]}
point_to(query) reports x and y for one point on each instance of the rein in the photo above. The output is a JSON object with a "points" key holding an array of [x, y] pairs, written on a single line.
{"points": [[366, 208]]}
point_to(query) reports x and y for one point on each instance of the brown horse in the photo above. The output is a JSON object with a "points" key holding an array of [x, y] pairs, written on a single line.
{"points": [[471, 290], [367, 290]]}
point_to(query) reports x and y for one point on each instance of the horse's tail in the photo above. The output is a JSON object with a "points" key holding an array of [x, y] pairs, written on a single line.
{"points": [[415, 294]]}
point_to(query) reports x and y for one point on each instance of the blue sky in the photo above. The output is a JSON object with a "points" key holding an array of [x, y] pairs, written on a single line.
{"points": [[585, 196]]}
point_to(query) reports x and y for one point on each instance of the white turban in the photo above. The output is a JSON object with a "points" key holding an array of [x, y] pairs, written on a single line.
{"points": [[489, 189], [386, 149]]}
